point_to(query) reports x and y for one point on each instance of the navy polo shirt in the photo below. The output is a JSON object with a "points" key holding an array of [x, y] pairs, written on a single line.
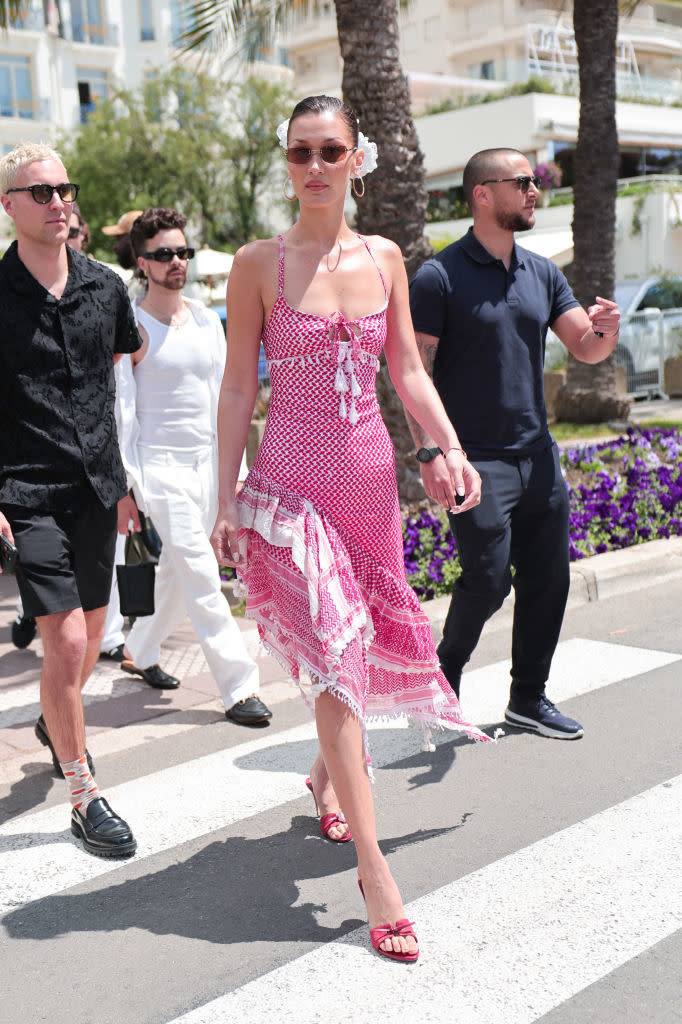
{"points": [[491, 324]]}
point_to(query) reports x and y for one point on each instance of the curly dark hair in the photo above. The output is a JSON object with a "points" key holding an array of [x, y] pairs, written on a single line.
{"points": [[153, 220]]}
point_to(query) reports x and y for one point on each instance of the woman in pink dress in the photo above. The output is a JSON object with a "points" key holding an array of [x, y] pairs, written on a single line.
{"points": [[316, 531]]}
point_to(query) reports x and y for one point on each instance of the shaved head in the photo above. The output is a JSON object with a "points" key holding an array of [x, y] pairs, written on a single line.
{"points": [[482, 166]]}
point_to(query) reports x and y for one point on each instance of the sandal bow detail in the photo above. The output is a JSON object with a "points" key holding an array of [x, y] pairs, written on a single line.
{"points": [[402, 928]]}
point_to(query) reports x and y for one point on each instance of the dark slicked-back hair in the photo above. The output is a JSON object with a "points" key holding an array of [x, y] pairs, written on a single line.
{"points": [[327, 105], [153, 220], [482, 165]]}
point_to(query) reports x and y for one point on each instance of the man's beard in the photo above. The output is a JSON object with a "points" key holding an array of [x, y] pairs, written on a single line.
{"points": [[172, 284], [513, 221]]}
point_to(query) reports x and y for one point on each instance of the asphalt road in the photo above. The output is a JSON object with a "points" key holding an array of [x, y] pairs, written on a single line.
{"points": [[543, 876]]}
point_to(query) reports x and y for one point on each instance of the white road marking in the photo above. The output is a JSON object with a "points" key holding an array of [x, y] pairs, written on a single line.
{"points": [[579, 666], [38, 855], [506, 943]]}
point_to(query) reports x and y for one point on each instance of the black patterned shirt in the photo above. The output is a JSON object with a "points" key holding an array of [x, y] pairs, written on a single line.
{"points": [[57, 427]]}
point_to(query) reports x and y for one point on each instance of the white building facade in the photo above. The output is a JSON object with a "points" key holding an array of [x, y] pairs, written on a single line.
{"points": [[65, 55], [451, 48], [454, 50]]}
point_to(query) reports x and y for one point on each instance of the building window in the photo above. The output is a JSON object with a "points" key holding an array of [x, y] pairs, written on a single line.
{"points": [[146, 21], [431, 28], [486, 70], [305, 64], [16, 91], [87, 22], [179, 23], [30, 19], [92, 88], [409, 34]]}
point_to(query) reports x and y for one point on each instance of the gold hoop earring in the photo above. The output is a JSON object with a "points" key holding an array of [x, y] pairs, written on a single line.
{"points": [[286, 194], [355, 188]]}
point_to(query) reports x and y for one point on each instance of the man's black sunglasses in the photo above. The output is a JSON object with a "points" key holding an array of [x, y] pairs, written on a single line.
{"points": [[166, 255], [523, 182], [42, 194]]}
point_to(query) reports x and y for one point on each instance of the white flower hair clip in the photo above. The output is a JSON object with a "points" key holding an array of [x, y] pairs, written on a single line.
{"points": [[282, 132], [369, 149]]}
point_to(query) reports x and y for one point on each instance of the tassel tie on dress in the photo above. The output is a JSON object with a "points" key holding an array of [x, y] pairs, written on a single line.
{"points": [[349, 353]]}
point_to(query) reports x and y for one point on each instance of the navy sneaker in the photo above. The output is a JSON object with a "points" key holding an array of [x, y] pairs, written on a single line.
{"points": [[539, 715]]}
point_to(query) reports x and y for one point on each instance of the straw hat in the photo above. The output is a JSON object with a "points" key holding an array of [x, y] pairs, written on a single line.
{"points": [[124, 223]]}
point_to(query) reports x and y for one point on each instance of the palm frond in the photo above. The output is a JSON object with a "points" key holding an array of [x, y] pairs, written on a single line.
{"points": [[12, 11], [248, 26]]}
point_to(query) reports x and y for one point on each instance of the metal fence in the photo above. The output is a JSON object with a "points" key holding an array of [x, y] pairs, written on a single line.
{"points": [[646, 340]]}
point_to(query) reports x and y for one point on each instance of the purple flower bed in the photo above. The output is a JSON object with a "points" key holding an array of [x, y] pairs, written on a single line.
{"points": [[624, 492], [549, 175], [430, 552], [621, 492]]}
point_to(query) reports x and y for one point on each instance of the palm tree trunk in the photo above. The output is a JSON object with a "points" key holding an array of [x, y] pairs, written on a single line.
{"points": [[590, 393], [394, 204]]}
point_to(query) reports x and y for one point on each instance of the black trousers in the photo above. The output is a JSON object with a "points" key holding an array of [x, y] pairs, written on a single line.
{"points": [[521, 522]]}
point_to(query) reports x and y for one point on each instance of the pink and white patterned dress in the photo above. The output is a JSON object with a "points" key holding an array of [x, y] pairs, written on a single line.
{"points": [[321, 528]]}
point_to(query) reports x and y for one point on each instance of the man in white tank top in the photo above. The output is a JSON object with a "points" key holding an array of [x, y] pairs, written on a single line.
{"points": [[168, 405]]}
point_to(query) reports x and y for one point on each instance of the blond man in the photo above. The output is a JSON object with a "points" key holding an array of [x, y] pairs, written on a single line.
{"points": [[66, 320]]}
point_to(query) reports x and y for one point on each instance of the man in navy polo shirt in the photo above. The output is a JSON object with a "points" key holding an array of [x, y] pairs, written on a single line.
{"points": [[481, 309]]}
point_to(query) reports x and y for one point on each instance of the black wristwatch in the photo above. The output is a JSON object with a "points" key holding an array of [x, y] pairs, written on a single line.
{"points": [[428, 454]]}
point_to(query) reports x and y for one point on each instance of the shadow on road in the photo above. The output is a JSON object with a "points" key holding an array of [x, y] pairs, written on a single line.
{"points": [[234, 890]]}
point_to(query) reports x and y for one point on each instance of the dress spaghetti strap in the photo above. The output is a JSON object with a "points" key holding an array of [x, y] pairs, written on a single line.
{"points": [[281, 265], [371, 254]]}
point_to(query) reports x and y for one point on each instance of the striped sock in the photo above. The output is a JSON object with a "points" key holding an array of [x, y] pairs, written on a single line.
{"points": [[82, 787]]}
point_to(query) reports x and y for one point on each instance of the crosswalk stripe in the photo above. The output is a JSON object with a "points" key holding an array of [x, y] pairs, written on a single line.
{"points": [[38, 855], [171, 807], [579, 666], [508, 942]]}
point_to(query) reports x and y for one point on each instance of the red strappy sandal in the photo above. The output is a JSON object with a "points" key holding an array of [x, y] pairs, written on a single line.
{"points": [[327, 821], [403, 928]]}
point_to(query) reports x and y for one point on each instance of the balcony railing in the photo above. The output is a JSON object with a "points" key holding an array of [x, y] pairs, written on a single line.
{"points": [[95, 35], [31, 21], [26, 110]]}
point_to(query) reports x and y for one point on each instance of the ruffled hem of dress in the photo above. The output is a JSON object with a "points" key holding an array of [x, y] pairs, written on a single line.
{"points": [[326, 588]]}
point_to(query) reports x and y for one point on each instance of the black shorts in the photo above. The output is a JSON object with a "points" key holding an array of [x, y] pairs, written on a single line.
{"points": [[66, 558]]}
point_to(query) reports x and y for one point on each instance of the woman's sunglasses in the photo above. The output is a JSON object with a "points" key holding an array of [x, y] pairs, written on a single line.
{"points": [[330, 154], [74, 232]]}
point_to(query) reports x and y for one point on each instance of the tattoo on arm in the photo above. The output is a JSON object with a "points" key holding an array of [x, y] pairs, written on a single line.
{"points": [[427, 352]]}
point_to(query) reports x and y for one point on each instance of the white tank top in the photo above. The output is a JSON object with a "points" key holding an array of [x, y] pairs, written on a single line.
{"points": [[177, 381]]}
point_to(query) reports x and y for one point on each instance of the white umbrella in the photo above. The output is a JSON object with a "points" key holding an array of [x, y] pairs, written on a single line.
{"points": [[210, 263]]}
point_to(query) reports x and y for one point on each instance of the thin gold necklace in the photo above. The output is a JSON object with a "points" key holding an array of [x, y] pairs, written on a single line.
{"points": [[338, 260]]}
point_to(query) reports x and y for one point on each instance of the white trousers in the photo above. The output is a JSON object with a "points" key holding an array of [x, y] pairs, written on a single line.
{"points": [[113, 624], [181, 494]]}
